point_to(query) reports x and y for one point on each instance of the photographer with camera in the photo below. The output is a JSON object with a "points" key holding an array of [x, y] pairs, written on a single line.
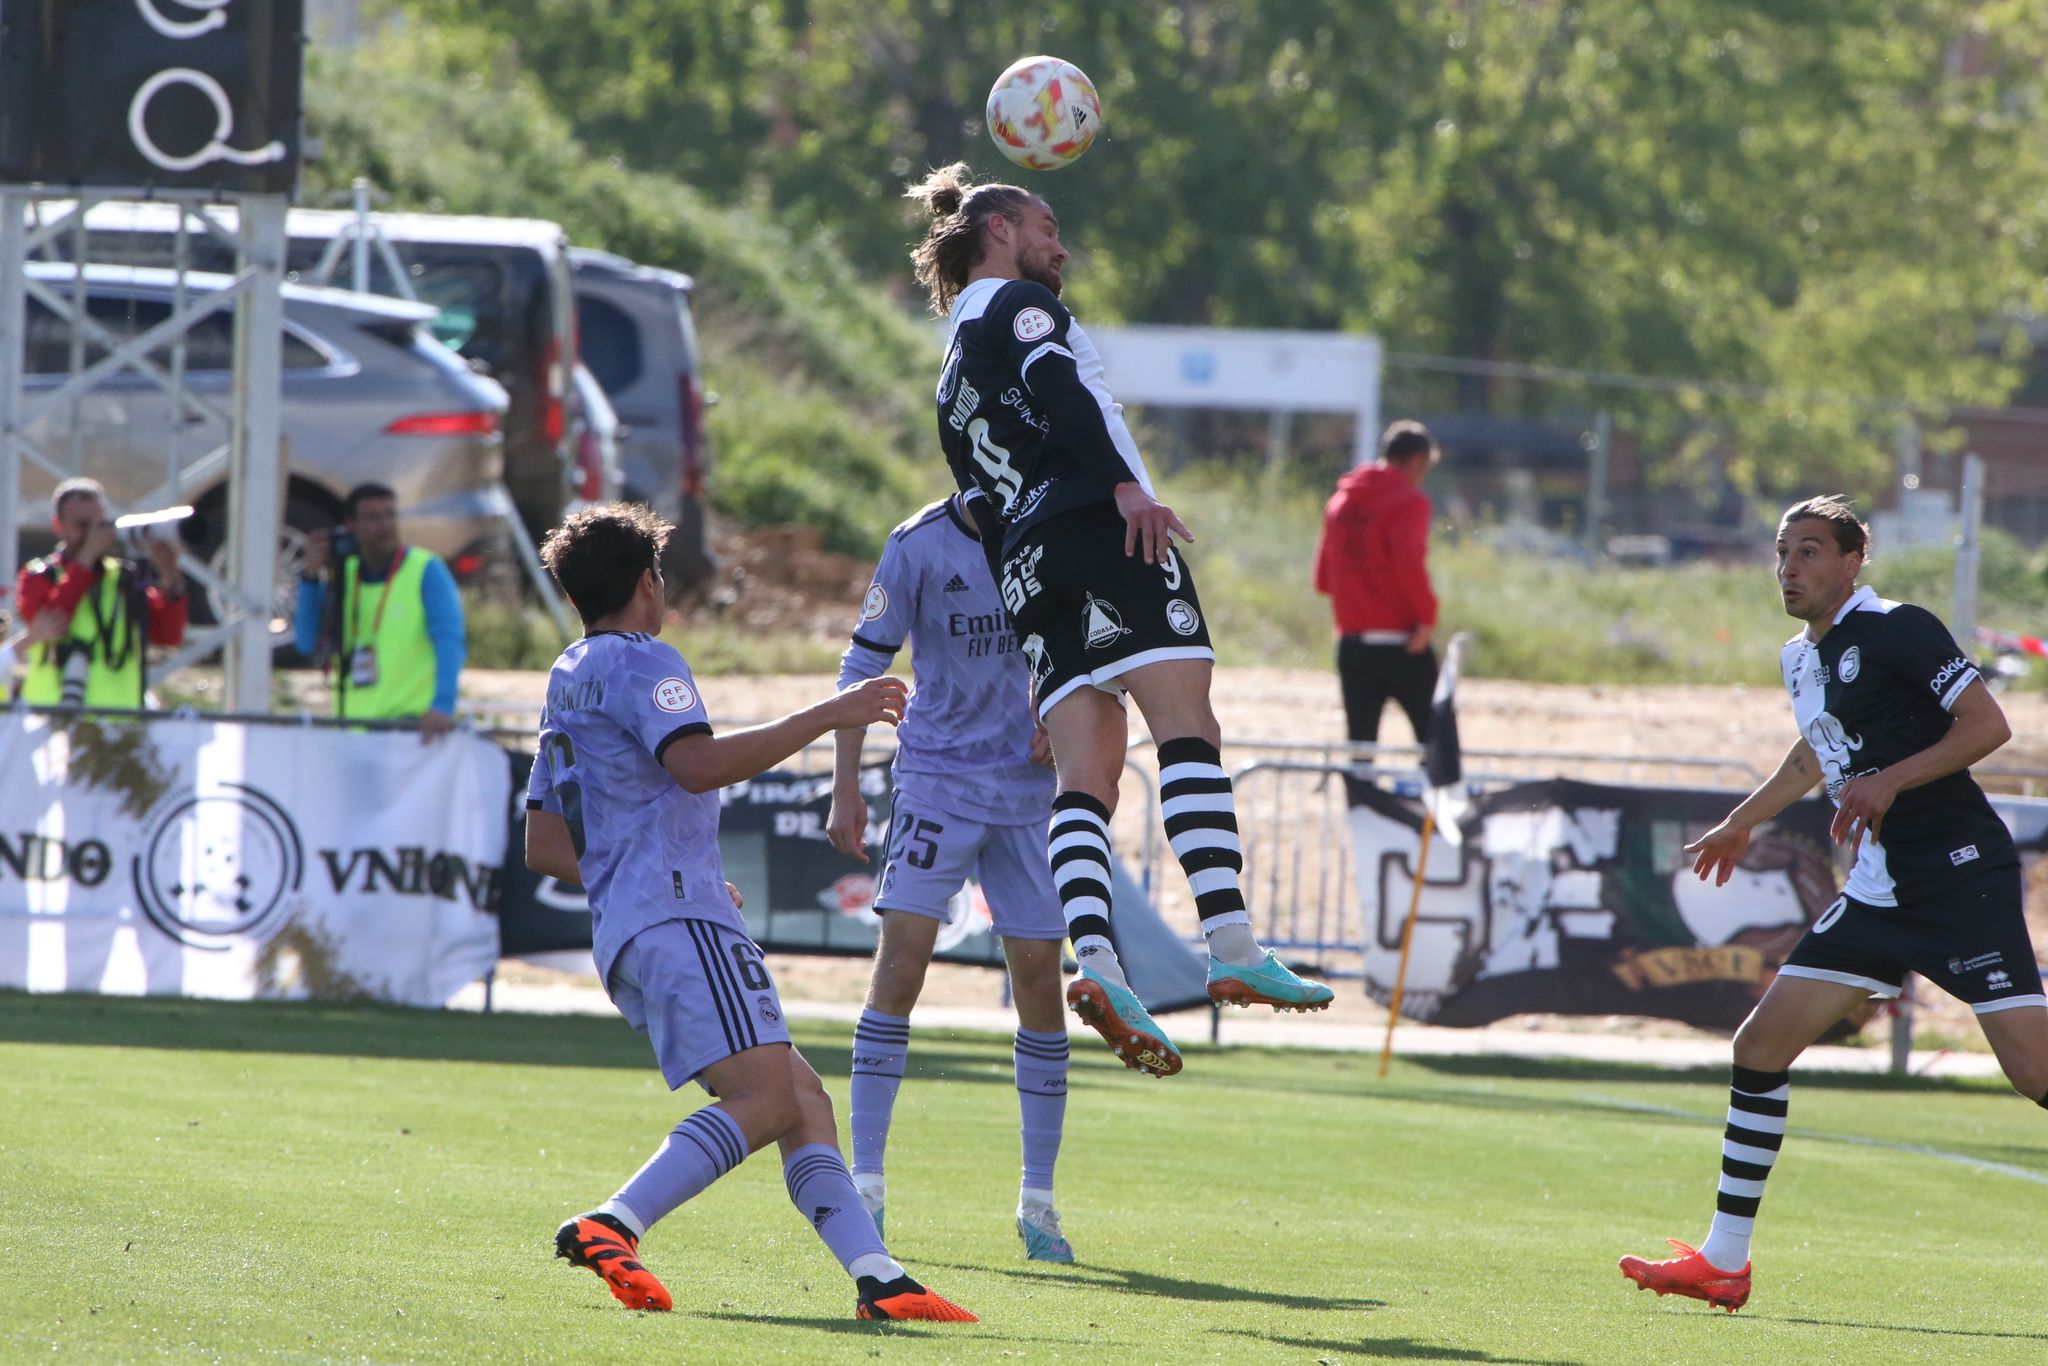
{"points": [[386, 616], [89, 610]]}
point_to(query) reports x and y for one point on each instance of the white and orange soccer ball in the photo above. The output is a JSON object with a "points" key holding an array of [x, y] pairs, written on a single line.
{"points": [[1043, 113]]}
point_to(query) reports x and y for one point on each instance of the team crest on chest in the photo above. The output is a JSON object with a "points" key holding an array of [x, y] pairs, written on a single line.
{"points": [[1100, 623], [1850, 664]]}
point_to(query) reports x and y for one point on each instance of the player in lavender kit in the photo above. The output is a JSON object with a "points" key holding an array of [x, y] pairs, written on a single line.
{"points": [[973, 793], [624, 800]]}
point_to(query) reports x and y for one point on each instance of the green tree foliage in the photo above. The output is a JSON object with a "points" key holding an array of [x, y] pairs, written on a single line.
{"points": [[816, 423], [1807, 202]]}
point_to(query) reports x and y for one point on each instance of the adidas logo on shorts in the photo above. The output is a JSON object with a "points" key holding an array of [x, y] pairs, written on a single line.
{"points": [[956, 584]]}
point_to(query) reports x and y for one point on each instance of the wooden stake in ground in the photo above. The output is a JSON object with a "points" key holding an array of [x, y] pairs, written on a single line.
{"points": [[1408, 933]]}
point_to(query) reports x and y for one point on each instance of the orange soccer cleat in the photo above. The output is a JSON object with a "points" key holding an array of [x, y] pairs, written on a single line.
{"points": [[905, 1299], [1692, 1275], [1116, 1013], [609, 1248]]}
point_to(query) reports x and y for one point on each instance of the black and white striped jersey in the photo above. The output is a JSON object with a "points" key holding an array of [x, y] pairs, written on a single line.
{"points": [[1024, 418], [1874, 690]]}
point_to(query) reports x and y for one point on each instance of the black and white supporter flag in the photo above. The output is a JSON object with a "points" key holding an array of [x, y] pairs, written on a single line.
{"points": [[1442, 759]]}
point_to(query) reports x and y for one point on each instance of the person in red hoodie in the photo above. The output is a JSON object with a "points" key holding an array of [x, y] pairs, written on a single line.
{"points": [[1371, 564]]}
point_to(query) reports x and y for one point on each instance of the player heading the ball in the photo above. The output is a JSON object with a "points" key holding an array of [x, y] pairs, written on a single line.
{"points": [[1098, 594]]}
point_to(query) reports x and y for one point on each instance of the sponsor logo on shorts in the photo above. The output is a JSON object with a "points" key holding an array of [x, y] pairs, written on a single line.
{"points": [[1034, 654], [1959, 966], [876, 604], [1959, 857], [1100, 623], [1031, 324], [1829, 916], [1020, 578], [1183, 618], [1850, 666], [1998, 979], [768, 1010], [674, 694]]}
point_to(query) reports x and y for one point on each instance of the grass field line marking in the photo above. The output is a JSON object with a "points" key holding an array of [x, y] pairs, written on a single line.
{"points": [[1860, 1140]]}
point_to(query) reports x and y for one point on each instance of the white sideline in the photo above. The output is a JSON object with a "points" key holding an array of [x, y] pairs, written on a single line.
{"points": [[1264, 1030]]}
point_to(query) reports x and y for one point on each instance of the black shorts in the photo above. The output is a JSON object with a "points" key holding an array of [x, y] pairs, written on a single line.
{"points": [[1970, 939], [1086, 613]]}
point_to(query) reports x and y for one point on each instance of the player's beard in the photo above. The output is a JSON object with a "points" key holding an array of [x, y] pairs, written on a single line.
{"points": [[1040, 271]]}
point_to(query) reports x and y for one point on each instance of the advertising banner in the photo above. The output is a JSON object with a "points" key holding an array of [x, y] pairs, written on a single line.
{"points": [[184, 856], [1572, 898], [804, 896], [152, 93]]}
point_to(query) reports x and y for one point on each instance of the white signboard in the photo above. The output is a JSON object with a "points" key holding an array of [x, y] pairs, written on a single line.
{"points": [[192, 857], [1222, 367]]}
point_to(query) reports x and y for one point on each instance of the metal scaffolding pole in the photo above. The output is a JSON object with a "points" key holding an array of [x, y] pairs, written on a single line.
{"points": [[13, 355], [255, 487]]}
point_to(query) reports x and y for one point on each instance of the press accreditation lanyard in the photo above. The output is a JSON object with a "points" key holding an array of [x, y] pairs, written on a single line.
{"points": [[355, 606]]}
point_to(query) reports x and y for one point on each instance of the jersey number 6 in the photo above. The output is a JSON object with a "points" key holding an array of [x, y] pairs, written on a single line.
{"points": [[567, 790]]}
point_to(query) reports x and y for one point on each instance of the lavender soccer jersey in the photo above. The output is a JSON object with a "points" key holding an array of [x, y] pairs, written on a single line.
{"points": [[648, 849], [965, 742]]}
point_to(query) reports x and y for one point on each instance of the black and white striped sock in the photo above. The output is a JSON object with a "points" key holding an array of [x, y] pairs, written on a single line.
{"points": [[1757, 1105], [1200, 813], [1077, 844]]}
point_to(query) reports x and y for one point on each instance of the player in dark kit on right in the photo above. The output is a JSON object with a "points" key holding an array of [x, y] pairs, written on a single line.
{"points": [[1099, 597], [1891, 715]]}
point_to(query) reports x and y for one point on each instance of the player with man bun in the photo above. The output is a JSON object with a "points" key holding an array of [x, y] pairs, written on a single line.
{"points": [[1101, 599]]}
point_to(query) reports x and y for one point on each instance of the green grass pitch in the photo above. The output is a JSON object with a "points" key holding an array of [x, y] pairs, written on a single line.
{"points": [[198, 1182]]}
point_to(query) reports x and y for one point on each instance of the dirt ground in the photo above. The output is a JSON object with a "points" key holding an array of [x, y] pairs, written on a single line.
{"points": [[1748, 725]]}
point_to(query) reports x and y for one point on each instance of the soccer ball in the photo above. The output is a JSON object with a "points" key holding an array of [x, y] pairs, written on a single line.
{"points": [[1043, 113]]}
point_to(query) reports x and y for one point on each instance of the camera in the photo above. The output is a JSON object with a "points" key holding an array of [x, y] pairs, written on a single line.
{"points": [[135, 528], [74, 663], [343, 544]]}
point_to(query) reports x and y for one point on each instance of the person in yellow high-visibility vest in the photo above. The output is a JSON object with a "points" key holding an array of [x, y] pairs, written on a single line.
{"points": [[392, 619], [81, 603]]}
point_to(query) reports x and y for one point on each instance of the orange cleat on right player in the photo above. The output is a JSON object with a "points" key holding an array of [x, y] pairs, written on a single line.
{"points": [[1692, 1275], [905, 1299], [609, 1248]]}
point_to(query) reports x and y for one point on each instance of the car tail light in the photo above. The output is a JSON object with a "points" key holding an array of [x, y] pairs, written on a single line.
{"points": [[589, 466], [550, 391], [693, 433], [445, 424]]}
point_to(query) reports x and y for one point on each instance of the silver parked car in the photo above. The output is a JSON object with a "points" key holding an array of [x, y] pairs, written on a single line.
{"points": [[369, 395], [636, 334]]}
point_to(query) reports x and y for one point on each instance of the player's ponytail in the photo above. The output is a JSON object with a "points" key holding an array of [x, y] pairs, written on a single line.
{"points": [[952, 245]]}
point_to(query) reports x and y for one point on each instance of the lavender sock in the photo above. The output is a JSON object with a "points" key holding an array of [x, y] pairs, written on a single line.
{"points": [[822, 1191], [697, 1152], [881, 1043], [1042, 1096]]}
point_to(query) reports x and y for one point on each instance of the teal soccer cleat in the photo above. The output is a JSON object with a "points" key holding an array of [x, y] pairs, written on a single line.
{"points": [[1125, 1025], [1039, 1227], [1268, 982]]}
